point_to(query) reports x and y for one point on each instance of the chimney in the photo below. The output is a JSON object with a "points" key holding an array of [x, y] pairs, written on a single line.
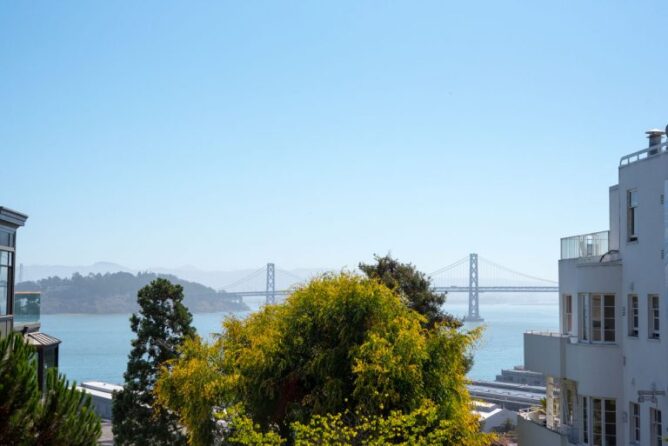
{"points": [[654, 136]]}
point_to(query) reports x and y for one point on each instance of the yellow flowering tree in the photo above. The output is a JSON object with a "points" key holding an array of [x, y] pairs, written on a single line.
{"points": [[342, 354]]}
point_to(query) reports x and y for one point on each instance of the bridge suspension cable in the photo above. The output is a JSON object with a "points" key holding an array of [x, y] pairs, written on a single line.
{"points": [[289, 274], [512, 271], [451, 266], [245, 278]]}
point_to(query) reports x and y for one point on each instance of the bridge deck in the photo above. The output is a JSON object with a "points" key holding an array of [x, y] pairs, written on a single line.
{"points": [[446, 289]]}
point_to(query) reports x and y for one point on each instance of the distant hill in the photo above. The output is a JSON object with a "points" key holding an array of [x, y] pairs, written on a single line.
{"points": [[212, 278], [117, 293]]}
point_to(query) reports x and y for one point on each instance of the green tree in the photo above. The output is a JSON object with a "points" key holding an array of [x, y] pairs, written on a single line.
{"points": [[413, 286], [62, 416], [339, 345], [161, 327]]}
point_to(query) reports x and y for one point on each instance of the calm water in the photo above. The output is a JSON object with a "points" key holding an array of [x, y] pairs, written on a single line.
{"points": [[95, 347]]}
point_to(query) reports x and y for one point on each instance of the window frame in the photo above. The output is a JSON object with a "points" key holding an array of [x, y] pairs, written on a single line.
{"points": [[598, 318], [633, 328], [655, 426], [8, 265], [568, 314], [634, 415], [653, 317], [597, 427], [632, 215]]}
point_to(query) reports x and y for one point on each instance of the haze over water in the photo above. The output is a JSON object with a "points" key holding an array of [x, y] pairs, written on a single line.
{"points": [[95, 347]]}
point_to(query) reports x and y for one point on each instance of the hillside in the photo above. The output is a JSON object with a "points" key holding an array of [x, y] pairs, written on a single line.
{"points": [[117, 293]]}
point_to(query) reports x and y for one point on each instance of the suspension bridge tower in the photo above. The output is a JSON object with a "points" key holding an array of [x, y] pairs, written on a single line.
{"points": [[271, 284], [474, 309]]}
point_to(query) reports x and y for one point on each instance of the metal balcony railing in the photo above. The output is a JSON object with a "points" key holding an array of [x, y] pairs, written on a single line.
{"points": [[643, 154], [26, 308], [595, 244]]}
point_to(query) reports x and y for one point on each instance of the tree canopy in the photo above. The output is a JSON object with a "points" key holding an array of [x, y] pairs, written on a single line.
{"points": [[162, 325], [413, 286], [61, 416], [342, 350]]}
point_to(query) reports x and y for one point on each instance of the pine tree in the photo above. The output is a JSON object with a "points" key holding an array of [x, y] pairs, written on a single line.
{"points": [[413, 286], [62, 416], [162, 325]]}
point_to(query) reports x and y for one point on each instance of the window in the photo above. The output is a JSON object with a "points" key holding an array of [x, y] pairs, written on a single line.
{"points": [[655, 426], [632, 214], [598, 317], [585, 421], [6, 238], [584, 320], [5, 278], [633, 315], [603, 422], [568, 314], [635, 422], [653, 313]]}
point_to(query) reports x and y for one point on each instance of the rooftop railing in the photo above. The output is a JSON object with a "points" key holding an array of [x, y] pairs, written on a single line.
{"points": [[26, 308], [643, 154], [585, 245]]}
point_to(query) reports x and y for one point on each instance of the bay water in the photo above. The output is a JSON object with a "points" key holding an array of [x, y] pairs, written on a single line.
{"points": [[96, 346]]}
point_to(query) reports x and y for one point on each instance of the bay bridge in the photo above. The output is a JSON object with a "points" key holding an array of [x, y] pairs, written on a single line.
{"points": [[472, 274]]}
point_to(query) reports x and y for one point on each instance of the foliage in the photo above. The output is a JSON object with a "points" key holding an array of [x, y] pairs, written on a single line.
{"points": [[420, 427], [162, 325], [413, 286], [66, 415], [193, 384], [234, 427], [117, 293], [340, 344], [61, 416]]}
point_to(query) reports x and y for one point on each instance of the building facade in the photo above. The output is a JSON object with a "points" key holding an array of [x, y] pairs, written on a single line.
{"points": [[10, 221], [20, 311], [607, 367]]}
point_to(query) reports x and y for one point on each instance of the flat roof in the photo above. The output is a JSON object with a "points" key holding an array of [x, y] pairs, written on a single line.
{"points": [[12, 217]]}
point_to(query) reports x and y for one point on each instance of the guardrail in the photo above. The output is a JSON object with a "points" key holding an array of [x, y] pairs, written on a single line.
{"points": [[643, 154], [594, 244], [26, 308]]}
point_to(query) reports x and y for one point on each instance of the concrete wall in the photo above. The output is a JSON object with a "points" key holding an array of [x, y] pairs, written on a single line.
{"points": [[597, 368], [542, 353], [533, 434], [644, 273]]}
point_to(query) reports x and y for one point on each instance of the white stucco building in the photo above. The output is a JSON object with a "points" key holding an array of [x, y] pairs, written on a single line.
{"points": [[607, 367]]}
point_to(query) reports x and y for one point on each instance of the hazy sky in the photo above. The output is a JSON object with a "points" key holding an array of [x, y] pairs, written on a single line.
{"points": [[313, 134]]}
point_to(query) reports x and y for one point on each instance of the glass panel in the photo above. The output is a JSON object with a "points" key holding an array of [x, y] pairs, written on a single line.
{"points": [[585, 316], [633, 198], [653, 316], [635, 422], [585, 421], [596, 318], [610, 423], [26, 308], [6, 238], [4, 289], [597, 422], [635, 314], [609, 321]]}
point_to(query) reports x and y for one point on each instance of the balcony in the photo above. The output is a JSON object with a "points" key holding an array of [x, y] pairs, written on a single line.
{"points": [[26, 309], [593, 245], [597, 367]]}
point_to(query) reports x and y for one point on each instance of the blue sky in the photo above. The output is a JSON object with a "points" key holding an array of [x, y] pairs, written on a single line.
{"points": [[314, 134]]}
